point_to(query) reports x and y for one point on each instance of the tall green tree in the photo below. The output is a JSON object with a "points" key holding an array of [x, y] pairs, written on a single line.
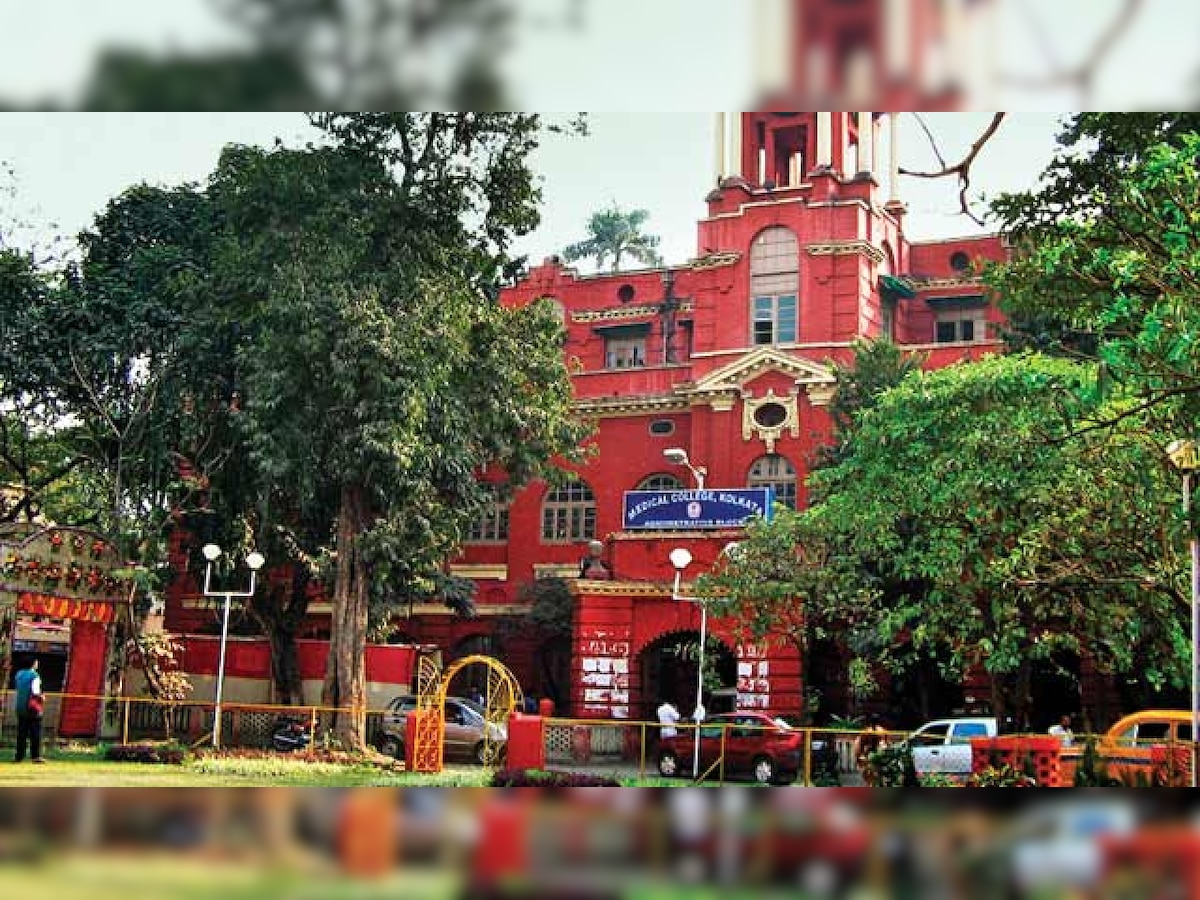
{"points": [[368, 269], [1022, 540], [875, 367], [1105, 259], [614, 234]]}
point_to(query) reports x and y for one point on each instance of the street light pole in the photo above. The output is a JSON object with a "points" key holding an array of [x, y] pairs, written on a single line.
{"points": [[678, 456], [1185, 456], [681, 559], [254, 561]]}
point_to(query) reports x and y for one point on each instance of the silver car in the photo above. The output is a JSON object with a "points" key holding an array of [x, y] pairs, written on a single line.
{"points": [[464, 740]]}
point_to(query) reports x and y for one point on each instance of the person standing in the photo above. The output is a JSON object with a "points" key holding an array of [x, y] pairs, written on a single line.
{"points": [[30, 703], [1063, 731], [668, 717]]}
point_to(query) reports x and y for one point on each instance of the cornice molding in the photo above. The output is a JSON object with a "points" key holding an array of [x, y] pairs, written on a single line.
{"points": [[625, 313], [716, 260], [480, 571], [623, 406], [634, 589], [730, 380], [936, 284], [845, 248]]}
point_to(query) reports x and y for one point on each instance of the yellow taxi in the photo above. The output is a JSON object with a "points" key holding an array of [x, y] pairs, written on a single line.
{"points": [[1153, 745]]}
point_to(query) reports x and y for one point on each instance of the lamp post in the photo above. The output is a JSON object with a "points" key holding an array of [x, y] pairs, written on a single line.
{"points": [[254, 561], [679, 457], [681, 558], [1185, 456]]}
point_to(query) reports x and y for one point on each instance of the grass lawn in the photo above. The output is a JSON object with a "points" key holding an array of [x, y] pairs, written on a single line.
{"points": [[80, 767], [151, 877]]}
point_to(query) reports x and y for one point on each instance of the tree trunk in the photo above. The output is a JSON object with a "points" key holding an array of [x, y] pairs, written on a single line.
{"points": [[285, 667], [345, 670], [279, 611], [999, 702]]}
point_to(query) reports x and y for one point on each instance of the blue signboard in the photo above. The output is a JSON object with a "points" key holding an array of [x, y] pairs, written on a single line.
{"points": [[685, 510]]}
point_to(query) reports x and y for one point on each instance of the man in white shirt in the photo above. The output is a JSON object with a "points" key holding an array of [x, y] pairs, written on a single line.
{"points": [[1063, 732], [668, 716]]}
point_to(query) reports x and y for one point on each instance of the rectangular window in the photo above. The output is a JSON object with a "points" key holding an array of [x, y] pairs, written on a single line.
{"points": [[490, 528], [775, 320], [625, 353], [786, 317], [961, 326]]}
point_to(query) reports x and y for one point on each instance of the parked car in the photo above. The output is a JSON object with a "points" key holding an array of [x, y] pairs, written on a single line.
{"points": [[1057, 847], [466, 729], [1150, 727], [943, 746], [1150, 743], [757, 745]]}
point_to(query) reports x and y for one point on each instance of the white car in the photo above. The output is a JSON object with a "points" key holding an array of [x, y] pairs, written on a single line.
{"points": [[1056, 845], [943, 746]]}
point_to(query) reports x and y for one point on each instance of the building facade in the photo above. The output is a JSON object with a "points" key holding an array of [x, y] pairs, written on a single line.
{"points": [[803, 251]]}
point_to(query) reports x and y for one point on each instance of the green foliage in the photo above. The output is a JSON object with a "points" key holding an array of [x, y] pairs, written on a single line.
{"points": [[877, 367], [891, 765], [992, 538], [614, 233], [551, 605], [158, 754], [1004, 776], [546, 779], [1091, 770], [1106, 258]]}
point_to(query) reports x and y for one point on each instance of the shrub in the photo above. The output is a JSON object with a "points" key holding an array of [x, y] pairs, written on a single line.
{"points": [[825, 763], [544, 779], [940, 780], [155, 754], [1092, 771], [890, 766], [1005, 776]]}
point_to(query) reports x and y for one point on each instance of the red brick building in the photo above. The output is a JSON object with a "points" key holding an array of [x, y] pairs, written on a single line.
{"points": [[802, 252]]}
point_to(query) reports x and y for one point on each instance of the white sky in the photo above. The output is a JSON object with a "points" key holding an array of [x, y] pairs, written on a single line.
{"points": [[68, 165]]}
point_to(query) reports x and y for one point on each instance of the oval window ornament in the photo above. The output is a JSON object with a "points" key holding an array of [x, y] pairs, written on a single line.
{"points": [[770, 415]]}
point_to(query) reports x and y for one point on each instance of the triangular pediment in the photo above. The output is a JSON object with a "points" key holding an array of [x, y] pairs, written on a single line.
{"points": [[736, 375]]}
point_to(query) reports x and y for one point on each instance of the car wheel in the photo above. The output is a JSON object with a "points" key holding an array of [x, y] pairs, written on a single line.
{"points": [[668, 764], [392, 746], [764, 770], [488, 754]]}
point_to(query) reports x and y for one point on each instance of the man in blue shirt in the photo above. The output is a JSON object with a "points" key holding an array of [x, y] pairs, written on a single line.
{"points": [[29, 714]]}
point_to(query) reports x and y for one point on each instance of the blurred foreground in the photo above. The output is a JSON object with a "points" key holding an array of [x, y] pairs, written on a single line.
{"points": [[278, 842], [220, 55]]}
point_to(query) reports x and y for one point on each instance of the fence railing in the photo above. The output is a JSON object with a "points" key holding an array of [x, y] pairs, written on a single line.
{"points": [[616, 747]]}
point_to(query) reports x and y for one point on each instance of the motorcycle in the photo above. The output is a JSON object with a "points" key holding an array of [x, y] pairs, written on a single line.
{"points": [[290, 734]]}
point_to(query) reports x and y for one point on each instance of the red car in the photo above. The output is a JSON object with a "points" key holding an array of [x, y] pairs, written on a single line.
{"points": [[762, 747]]}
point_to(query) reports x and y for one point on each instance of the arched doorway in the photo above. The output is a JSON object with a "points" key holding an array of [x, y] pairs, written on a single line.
{"points": [[669, 666], [554, 673], [473, 682]]}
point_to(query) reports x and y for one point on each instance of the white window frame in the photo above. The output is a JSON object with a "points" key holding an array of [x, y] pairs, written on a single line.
{"points": [[569, 514], [777, 472]]}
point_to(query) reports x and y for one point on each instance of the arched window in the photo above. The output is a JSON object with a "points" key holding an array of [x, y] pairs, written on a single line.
{"points": [[569, 514], [774, 287], [775, 472], [660, 482]]}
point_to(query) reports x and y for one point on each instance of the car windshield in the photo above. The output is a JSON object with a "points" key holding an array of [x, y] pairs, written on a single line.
{"points": [[781, 723], [472, 705]]}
